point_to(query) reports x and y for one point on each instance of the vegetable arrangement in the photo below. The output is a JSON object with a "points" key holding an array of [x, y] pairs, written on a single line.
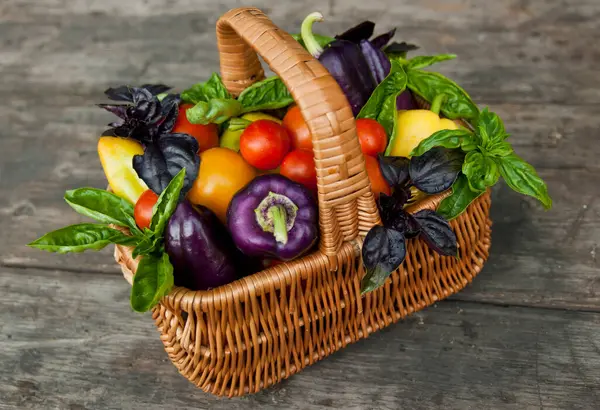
{"points": [[207, 188]]}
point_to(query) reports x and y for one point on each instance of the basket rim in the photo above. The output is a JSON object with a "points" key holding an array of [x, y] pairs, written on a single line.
{"points": [[274, 276]]}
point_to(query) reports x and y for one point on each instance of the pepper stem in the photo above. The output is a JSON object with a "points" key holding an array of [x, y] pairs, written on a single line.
{"points": [[311, 44], [436, 104], [278, 214]]}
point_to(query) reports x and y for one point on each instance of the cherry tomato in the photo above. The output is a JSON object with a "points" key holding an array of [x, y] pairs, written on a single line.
{"points": [[378, 183], [143, 209], [264, 143], [299, 166], [206, 135], [296, 126], [372, 136]]}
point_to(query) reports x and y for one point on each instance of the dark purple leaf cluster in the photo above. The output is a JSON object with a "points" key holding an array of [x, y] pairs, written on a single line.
{"points": [[145, 117], [150, 120], [384, 246]]}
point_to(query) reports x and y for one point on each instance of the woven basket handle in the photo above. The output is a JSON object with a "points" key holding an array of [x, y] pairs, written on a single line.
{"points": [[346, 204]]}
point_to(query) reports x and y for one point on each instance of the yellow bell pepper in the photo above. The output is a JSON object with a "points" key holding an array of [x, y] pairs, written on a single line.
{"points": [[116, 155], [231, 139], [414, 126]]}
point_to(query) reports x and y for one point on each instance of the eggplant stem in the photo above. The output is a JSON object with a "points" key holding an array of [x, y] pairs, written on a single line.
{"points": [[436, 104], [307, 35], [278, 214]]}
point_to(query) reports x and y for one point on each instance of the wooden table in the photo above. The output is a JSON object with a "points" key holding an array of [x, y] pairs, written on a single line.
{"points": [[525, 334]]}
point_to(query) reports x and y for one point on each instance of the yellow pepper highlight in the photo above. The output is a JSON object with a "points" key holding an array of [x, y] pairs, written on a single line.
{"points": [[116, 155]]}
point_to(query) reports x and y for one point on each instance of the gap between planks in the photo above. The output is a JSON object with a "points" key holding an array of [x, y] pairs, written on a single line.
{"points": [[458, 297]]}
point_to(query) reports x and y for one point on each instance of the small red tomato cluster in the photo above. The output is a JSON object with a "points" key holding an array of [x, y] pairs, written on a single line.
{"points": [[287, 147], [266, 145]]}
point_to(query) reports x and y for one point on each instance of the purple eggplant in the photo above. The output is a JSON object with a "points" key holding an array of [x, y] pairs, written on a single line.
{"points": [[200, 248], [406, 101], [345, 62], [379, 64], [273, 217]]}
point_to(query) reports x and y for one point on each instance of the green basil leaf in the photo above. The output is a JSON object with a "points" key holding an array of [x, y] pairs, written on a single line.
{"points": [[81, 237], [166, 204], [143, 248], [388, 118], [152, 281], [425, 61], [451, 139], [522, 177], [481, 171], [103, 206], [217, 111], [458, 104], [462, 196], [499, 149], [490, 128], [392, 85], [206, 91], [322, 40], [269, 94]]}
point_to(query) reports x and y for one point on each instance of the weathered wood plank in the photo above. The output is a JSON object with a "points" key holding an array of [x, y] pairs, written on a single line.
{"points": [[511, 51], [70, 341]]}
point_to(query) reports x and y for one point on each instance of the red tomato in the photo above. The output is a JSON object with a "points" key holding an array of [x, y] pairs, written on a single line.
{"points": [[299, 166], [378, 183], [296, 126], [372, 136], [264, 143], [206, 135], [143, 209]]}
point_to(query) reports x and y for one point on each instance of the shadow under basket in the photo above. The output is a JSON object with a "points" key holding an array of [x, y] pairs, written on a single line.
{"points": [[247, 335]]}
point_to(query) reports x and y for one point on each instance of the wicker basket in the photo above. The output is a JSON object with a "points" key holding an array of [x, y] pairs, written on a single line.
{"points": [[247, 335]]}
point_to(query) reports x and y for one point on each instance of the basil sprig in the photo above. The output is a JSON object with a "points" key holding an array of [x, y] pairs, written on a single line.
{"points": [[154, 277], [214, 104], [488, 156], [408, 74]]}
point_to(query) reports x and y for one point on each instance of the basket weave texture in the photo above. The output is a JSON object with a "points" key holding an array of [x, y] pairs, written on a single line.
{"points": [[249, 334]]}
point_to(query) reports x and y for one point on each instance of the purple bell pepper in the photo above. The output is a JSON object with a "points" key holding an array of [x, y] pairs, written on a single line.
{"points": [[273, 217]]}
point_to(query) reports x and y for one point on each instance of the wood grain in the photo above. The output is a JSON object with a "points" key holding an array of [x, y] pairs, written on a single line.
{"points": [[61, 351]]}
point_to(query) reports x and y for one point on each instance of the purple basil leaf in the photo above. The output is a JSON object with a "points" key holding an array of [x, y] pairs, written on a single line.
{"points": [[156, 89], [391, 206], [381, 40], [164, 157], [170, 111], [436, 170], [436, 231], [378, 62], [141, 94], [400, 48], [362, 31], [394, 169], [121, 93], [118, 110], [383, 251], [407, 223]]}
